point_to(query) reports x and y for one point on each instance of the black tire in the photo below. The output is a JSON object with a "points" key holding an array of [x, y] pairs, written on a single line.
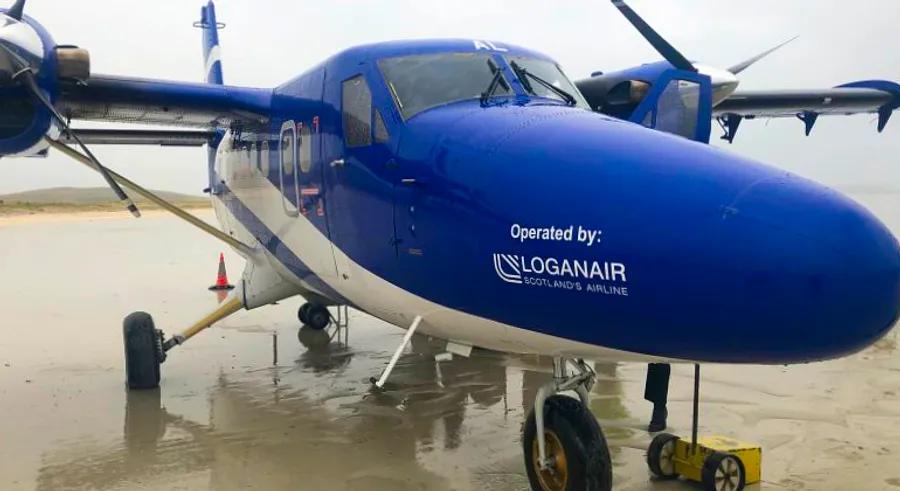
{"points": [[661, 456], [318, 317], [723, 472], [141, 351], [587, 464], [303, 313]]}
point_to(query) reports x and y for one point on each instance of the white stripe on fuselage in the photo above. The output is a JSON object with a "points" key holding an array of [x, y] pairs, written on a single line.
{"points": [[381, 298]]}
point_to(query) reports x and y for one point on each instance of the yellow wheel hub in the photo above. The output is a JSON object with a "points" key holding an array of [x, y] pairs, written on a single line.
{"points": [[556, 476]]}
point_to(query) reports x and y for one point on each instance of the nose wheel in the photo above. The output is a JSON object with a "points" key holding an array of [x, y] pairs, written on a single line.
{"points": [[563, 445], [313, 315]]}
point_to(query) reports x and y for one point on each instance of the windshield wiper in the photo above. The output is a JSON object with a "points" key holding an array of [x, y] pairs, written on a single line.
{"points": [[524, 75], [496, 81]]}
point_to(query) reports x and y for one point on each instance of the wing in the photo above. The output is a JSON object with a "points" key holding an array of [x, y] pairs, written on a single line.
{"points": [[873, 96], [134, 100]]}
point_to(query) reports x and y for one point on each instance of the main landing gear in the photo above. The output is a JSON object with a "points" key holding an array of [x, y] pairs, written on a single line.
{"points": [[146, 346], [143, 351], [314, 315], [563, 445]]}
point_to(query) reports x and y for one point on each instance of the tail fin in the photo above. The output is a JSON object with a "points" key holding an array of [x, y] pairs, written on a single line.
{"points": [[212, 59], [212, 55]]}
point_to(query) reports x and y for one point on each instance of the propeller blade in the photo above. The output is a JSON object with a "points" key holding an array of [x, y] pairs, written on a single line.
{"points": [[17, 10], [668, 51], [740, 67], [27, 78]]}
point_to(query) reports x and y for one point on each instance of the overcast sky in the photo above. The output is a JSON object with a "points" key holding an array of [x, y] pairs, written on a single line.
{"points": [[267, 42]]}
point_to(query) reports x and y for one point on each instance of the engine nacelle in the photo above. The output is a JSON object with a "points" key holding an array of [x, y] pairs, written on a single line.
{"points": [[25, 44]]}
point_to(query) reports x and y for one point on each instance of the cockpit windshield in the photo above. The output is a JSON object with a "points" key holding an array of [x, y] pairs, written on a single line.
{"points": [[550, 72], [421, 82]]}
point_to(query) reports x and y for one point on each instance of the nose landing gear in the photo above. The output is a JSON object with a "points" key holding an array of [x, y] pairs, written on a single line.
{"points": [[563, 445]]}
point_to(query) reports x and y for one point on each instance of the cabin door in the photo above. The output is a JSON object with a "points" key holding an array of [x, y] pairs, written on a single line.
{"points": [[359, 177], [302, 181]]}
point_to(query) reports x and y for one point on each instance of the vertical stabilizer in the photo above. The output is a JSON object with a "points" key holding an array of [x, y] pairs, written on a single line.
{"points": [[212, 72], [212, 54]]}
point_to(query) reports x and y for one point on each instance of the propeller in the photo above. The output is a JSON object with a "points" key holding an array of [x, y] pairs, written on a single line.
{"points": [[671, 54], [668, 51], [740, 67], [17, 10]]}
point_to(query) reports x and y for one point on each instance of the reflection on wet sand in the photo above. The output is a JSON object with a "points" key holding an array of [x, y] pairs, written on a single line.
{"points": [[326, 350], [274, 436]]}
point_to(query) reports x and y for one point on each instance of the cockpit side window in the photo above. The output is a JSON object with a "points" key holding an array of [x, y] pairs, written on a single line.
{"points": [[356, 101]]}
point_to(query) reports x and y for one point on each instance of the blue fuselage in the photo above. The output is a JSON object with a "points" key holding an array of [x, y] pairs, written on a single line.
{"points": [[565, 222]]}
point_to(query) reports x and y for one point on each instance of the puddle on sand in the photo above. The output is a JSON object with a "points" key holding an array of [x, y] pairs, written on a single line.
{"points": [[227, 418]]}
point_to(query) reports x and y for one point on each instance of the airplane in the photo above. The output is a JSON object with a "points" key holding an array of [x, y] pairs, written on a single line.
{"points": [[469, 190]]}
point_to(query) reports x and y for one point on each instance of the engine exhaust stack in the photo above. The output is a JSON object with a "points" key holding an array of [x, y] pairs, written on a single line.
{"points": [[74, 63]]}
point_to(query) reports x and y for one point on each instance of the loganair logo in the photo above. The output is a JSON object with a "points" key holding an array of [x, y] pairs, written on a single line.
{"points": [[579, 275], [507, 267]]}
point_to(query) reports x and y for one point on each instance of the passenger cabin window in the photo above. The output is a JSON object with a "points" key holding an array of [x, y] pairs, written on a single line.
{"points": [[356, 101], [264, 158], [421, 82], [305, 145], [257, 156], [381, 132], [287, 151]]}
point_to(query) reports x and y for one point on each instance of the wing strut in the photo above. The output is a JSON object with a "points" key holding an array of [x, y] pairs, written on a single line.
{"points": [[75, 154]]}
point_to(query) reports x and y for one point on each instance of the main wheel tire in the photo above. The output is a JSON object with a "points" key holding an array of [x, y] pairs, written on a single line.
{"points": [[576, 444], [303, 313], [661, 456], [142, 361], [723, 472], [318, 317]]}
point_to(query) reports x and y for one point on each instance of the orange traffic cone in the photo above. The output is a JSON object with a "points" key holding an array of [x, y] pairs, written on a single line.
{"points": [[222, 277]]}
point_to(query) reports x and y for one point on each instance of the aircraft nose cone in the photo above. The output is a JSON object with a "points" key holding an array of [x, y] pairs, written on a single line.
{"points": [[722, 259], [828, 269]]}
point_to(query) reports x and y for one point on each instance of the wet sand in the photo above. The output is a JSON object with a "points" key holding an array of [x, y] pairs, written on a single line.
{"points": [[228, 416]]}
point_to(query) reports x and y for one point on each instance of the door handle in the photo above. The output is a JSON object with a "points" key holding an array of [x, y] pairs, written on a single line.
{"points": [[338, 163]]}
